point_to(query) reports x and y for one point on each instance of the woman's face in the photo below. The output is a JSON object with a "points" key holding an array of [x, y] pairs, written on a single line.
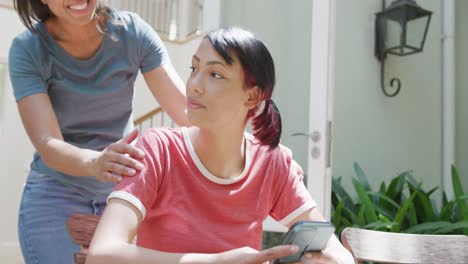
{"points": [[216, 94], [73, 12]]}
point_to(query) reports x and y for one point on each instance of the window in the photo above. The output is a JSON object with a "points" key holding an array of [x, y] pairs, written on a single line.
{"points": [[174, 20], [6, 3]]}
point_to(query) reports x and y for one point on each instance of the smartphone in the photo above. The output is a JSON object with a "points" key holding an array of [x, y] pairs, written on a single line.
{"points": [[309, 236]]}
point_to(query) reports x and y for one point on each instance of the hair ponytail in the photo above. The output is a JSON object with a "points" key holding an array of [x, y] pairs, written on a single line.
{"points": [[267, 125]]}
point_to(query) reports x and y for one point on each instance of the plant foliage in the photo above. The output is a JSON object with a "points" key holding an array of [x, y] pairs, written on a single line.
{"points": [[401, 205]]}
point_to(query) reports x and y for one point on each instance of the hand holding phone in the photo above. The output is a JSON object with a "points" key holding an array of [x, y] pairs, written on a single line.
{"points": [[309, 236]]}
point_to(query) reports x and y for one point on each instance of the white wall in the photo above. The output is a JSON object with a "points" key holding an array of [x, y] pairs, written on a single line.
{"points": [[15, 149], [285, 28], [461, 42], [386, 135]]}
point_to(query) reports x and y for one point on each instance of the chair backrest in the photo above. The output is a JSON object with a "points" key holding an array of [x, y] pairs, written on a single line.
{"points": [[81, 228], [385, 247]]}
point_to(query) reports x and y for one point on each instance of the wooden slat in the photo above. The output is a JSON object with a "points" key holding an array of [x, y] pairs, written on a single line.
{"points": [[385, 247], [147, 116]]}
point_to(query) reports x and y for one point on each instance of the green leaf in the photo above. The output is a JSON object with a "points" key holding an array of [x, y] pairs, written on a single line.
{"points": [[338, 189], [427, 227], [453, 228], [379, 226], [383, 211], [458, 190], [346, 222], [396, 187], [411, 179], [361, 216], [383, 188], [444, 199], [351, 215], [385, 198], [362, 177], [447, 211], [337, 213], [413, 219], [432, 191], [383, 218], [400, 216], [366, 203], [423, 203]]}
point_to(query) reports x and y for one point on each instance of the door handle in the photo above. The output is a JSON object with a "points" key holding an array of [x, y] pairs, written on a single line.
{"points": [[314, 136]]}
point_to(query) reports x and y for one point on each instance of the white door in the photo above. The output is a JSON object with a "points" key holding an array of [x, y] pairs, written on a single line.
{"points": [[321, 107]]}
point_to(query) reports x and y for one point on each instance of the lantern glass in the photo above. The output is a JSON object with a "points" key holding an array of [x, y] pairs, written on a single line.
{"points": [[393, 34], [416, 32]]}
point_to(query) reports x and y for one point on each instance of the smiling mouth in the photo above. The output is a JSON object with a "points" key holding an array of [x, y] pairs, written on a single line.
{"points": [[79, 7]]}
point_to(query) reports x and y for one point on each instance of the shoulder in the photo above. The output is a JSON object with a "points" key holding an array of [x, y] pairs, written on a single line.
{"points": [[29, 50], [127, 19], [280, 155], [123, 16], [27, 39], [162, 137]]}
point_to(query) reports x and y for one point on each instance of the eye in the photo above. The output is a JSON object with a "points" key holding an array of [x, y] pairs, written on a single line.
{"points": [[192, 69], [217, 75]]}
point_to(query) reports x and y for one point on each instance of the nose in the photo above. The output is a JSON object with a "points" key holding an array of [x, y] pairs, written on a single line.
{"points": [[195, 83]]}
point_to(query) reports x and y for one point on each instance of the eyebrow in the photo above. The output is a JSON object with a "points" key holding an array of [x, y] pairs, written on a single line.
{"points": [[195, 57]]}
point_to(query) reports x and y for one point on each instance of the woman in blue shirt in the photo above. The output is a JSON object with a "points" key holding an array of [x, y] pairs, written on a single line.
{"points": [[73, 75]]}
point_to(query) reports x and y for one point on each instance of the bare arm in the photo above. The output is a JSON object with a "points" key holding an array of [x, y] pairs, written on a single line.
{"points": [[117, 228], [42, 127], [333, 253], [169, 90]]}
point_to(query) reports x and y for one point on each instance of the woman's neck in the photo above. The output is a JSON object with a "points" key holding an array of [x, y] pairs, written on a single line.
{"points": [[63, 32], [221, 152], [81, 42]]}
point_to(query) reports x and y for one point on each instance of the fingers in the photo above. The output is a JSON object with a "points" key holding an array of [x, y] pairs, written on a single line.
{"points": [[109, 177], [128, 165], [126, 148], [119, 159], [129, 138], [274, 253], [316, 258]]}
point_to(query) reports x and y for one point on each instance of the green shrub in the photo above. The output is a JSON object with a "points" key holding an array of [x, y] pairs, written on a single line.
{"points": [[400, 206]]}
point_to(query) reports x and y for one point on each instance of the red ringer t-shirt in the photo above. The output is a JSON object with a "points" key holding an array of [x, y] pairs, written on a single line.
{"points": [[187, 209]]}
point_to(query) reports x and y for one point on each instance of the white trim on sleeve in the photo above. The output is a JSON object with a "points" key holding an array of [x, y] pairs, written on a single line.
{"points": [[308, 205], [129, 198]]}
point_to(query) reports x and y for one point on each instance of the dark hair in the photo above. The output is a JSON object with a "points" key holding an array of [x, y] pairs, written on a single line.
{"points": [[31, 11], [259, 69]]}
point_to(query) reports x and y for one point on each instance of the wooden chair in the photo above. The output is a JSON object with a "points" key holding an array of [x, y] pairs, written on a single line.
{"points": [[384, 247], [81, 228]]}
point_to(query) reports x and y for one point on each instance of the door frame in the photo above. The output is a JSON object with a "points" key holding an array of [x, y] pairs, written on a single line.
{"points": [[322, 76]]}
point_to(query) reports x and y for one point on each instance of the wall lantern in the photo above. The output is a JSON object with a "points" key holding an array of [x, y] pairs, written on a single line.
{"points": [[400, 29]]}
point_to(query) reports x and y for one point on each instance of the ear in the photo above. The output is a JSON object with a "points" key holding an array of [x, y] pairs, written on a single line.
{"points": [[255, 97]]}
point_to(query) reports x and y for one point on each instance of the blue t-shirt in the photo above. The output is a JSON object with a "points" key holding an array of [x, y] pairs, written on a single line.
{"points": [[92, 98]]}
